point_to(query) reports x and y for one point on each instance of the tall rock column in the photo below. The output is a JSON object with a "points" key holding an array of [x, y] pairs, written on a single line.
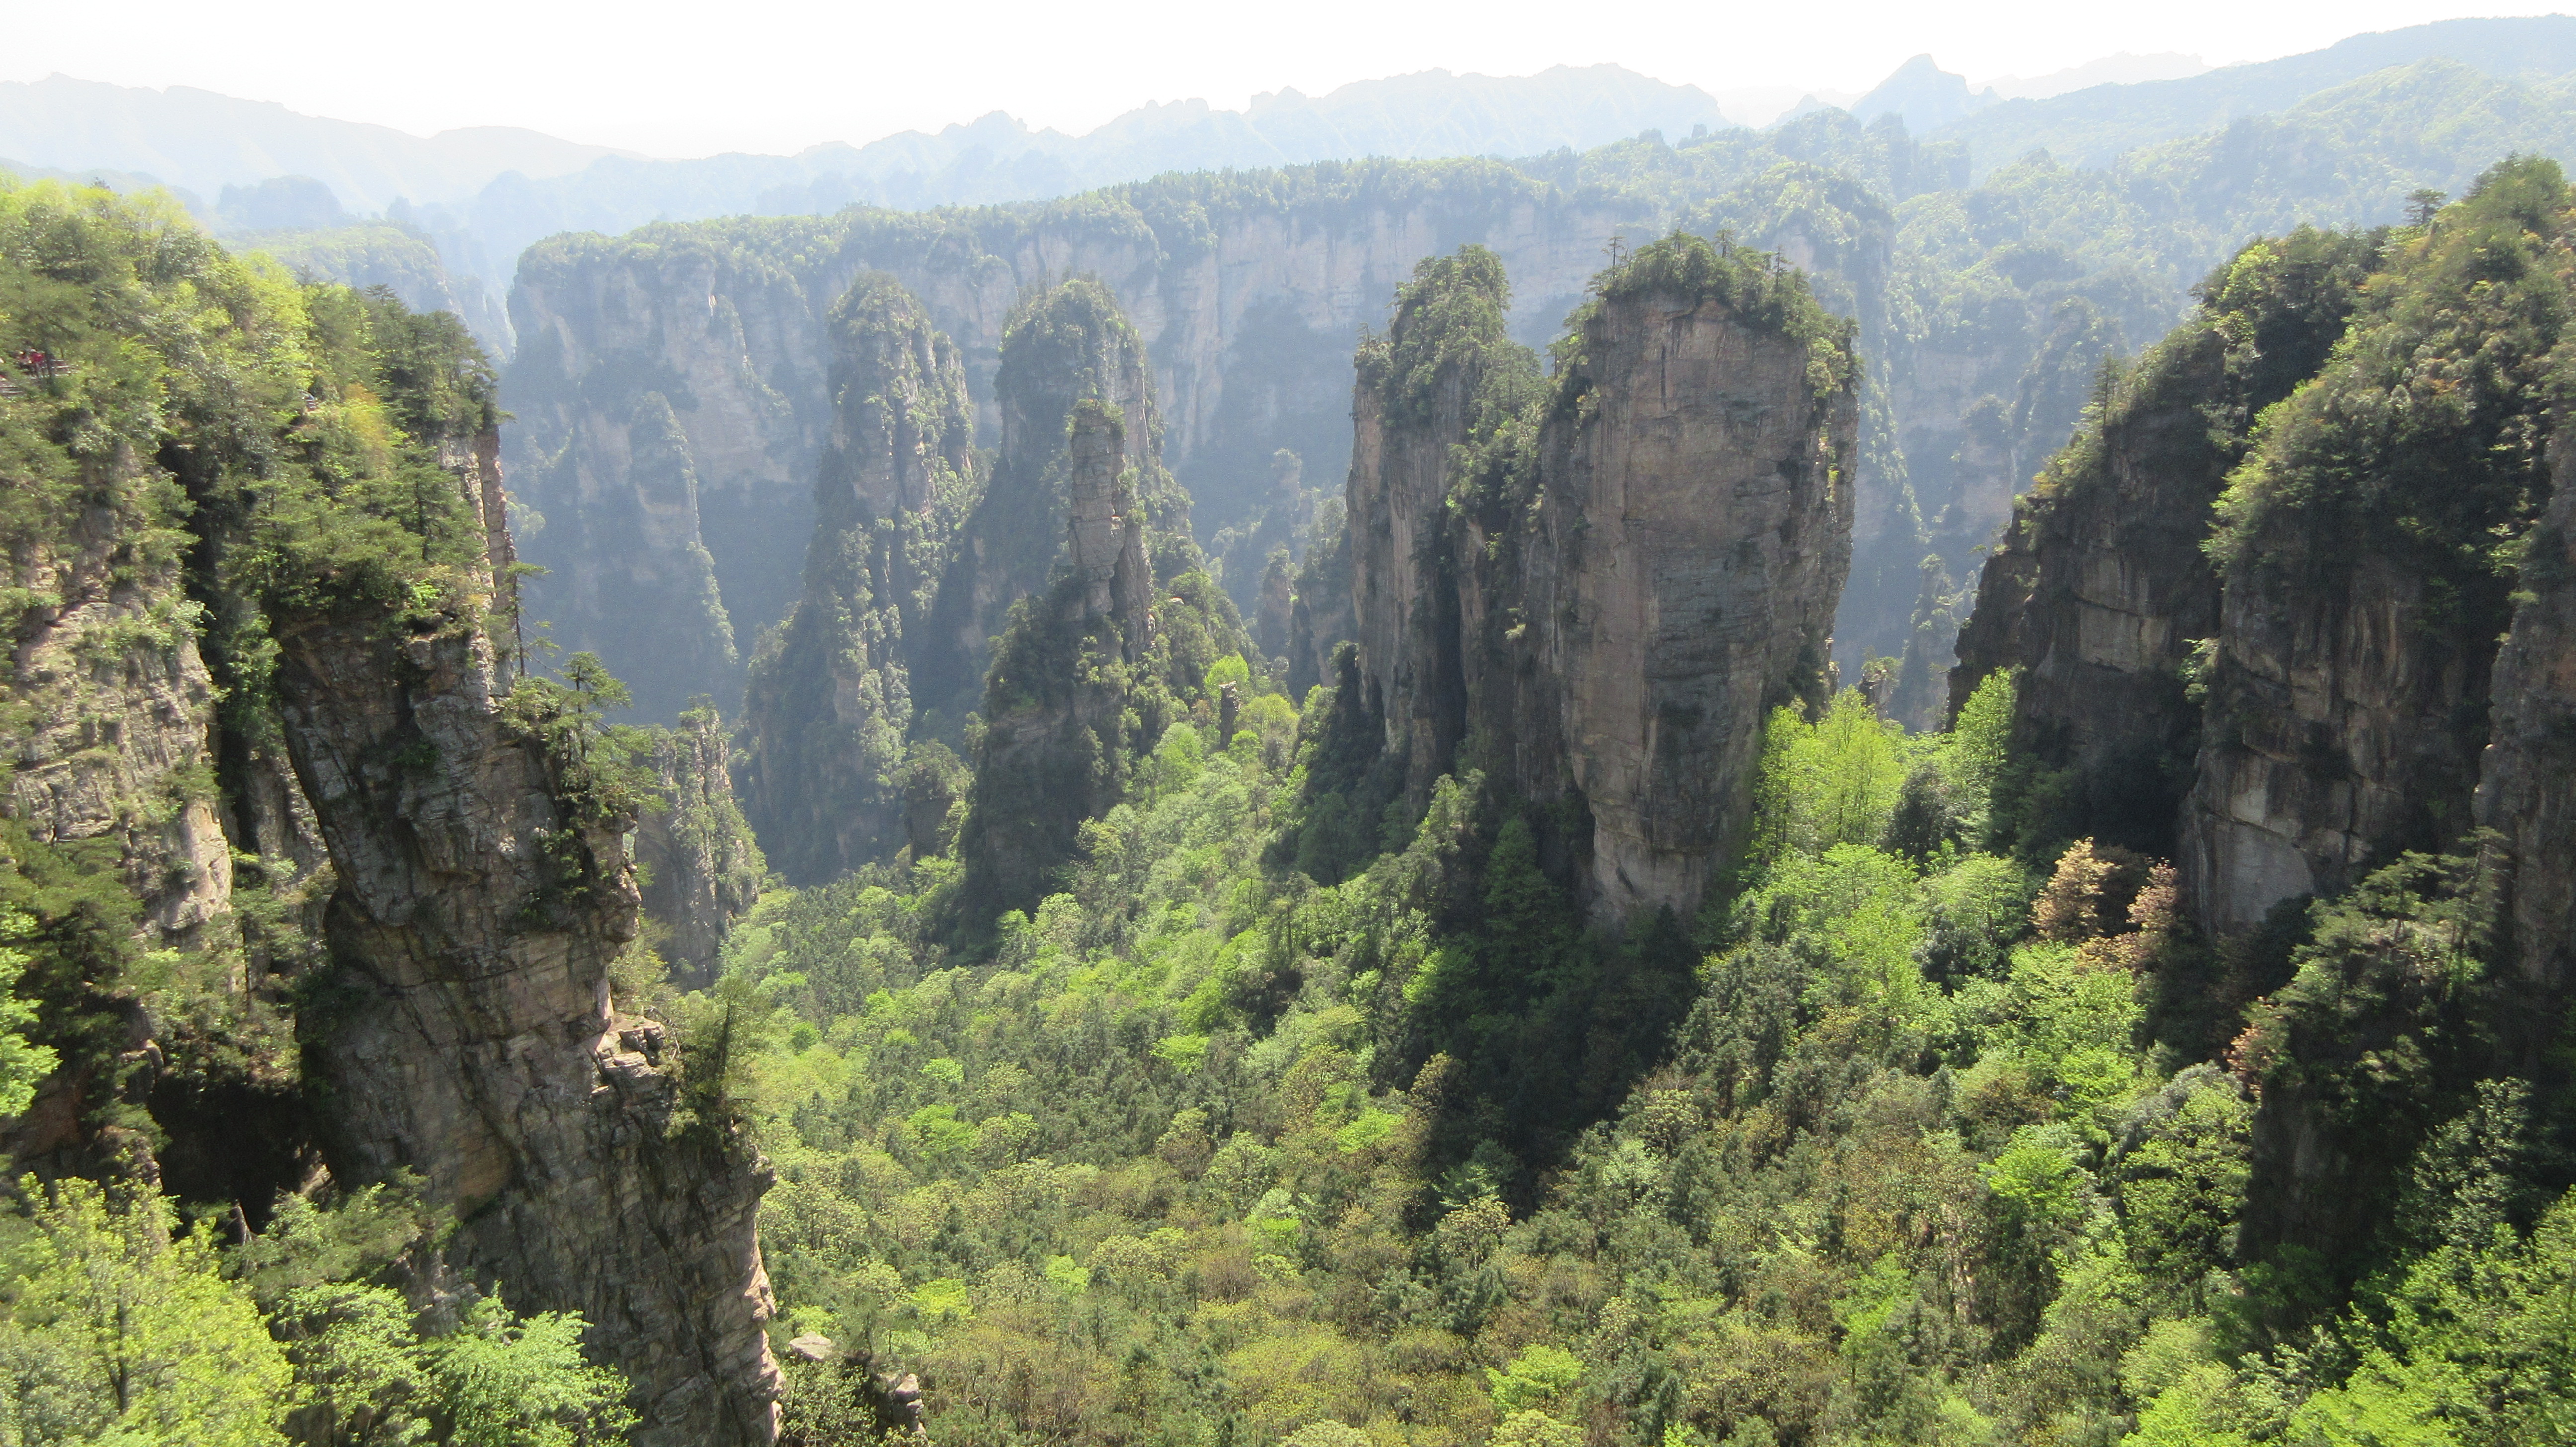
{"points": [[471, 1036], [1065, 345], [2527, 783], [1119, 624], [703, 870], [1446, 364], [828, 712], [1594, 586], [1106, 535], [1678, 580]]}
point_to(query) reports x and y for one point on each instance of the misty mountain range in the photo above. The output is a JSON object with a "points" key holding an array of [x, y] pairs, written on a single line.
{"points": [[444, 218]]}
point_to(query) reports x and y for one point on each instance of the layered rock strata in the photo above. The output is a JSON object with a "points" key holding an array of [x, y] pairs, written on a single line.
{"points": [[110, 709], [470, 1036]]}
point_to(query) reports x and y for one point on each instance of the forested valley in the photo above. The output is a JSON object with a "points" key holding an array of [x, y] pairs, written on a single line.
{"points": [[1160, 946]]}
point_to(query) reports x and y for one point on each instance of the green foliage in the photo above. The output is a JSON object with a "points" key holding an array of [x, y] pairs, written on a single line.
{"points": [[1208, 1141], [1451, 320], [506, 1382], [599, 767], [22, 1064], [1755, 285], [117, 1330], [2434, 464]]}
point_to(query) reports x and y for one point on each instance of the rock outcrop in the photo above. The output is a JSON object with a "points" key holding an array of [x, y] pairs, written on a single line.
{"points": [[1101, 649], [276, 573], [1056, 749], [2100, 593], [470, 1035], [465, 1029], [1065, 347], [675, 397], [702, 869], [110, 708], [2527, 781], [829, 711], [1595, 587], [2368, 567]]}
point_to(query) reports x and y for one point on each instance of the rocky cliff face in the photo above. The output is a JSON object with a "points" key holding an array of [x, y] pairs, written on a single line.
{"points": [[702, 869], [828, 712], [2527, 780], [310, 514], [674, 396], [1104, 628], [1594, 588], [1691, 541], [111, 710], [471, 1035], [2369, 567], [2334, 584], [2343, 729], [1065, 347], [2101, 593], [1056, 749]]}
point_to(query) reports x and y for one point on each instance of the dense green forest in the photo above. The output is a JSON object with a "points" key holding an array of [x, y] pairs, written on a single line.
{"points": [[1938, 1125], [1931, 1133], [1290, 1114]]}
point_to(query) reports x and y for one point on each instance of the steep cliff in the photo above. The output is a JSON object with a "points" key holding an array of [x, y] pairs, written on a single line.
{"points": [[2368, 547], [2337, 475], [2100, 591], [674, 397], [468, 1032], [1596, 586], [218, 479], [701, 868], [110, 709], [2527, 781], [1089, 669], [828, 712], [1065, 346]]}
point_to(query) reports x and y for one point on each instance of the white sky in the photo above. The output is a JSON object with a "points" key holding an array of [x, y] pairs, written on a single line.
{"points": [[691, 78]]}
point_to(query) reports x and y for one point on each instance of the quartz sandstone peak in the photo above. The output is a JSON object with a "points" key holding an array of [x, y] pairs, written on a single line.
{"points": [[1603, 610], [470, 1034], [828, 712]]}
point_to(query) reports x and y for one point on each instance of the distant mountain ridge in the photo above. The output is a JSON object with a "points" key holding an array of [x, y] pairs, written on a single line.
{"points": [[199, 141], [2089, 127], [481, 197]]}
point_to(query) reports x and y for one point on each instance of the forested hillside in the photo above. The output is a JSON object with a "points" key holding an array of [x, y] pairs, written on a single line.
{"points": [[1514, 992], [1962, 1111], [308, 892]]}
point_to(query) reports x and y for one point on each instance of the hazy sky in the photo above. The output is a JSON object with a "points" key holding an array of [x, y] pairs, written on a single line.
{"points": [[776, 75]]}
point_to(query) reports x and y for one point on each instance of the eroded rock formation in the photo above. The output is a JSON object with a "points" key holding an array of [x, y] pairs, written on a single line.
{"points": [[702, 869], [2527, 779], [1109, 621], [828, 713], [675, 401], [110, 708], [2100, 592], [1595, 587]]}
